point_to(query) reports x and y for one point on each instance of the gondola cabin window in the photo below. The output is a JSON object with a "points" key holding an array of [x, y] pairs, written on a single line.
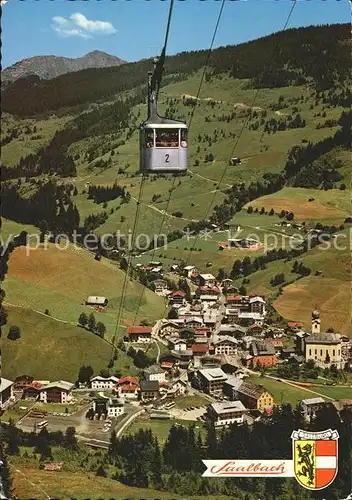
{"points": [[183, 137], [167, 138], [149, 138]]}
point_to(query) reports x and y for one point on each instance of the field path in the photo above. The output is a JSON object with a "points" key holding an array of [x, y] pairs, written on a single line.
{"points": [[162, 212]]}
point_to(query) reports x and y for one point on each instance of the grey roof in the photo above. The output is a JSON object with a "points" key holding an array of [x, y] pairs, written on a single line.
{"points": [[234, 382], [61, 384], [228, 406], [226, 338], [213, 374], [323, 338], [312, 401], [233, 328], [115, 402], [149, 385], [5, 384], [154, 369], [262, 348]]}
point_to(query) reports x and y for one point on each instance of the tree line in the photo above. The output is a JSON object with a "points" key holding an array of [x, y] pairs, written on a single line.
{"points": [[297, 61], [102, 194]]}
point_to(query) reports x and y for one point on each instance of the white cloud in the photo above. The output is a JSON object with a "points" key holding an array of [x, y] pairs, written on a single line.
{"points": [[78, 25]]}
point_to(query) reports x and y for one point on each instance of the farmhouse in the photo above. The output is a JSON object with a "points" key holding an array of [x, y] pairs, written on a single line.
{"points": [[169, 328], [6, 392], [32, 390], [188, 270], [154, 372], [225, 345], [127, 387], [56, 392], [159, 286], [149, 390], [257, 305], [99, 382], [252, 396], [193, 322], [211, 380], [309, 407], [177, 297], [262, 353], [97, 301], [111, 407], [226, 413], [178, 387], [176, 344], [200, 349], [207, 280], [139, 334], [22, 381]]}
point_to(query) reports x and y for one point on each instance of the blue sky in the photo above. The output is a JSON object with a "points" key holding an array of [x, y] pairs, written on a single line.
{"points": [[135, 29]]}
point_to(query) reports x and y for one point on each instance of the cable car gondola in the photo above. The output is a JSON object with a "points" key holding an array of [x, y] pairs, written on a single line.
{"points": [[163, 142]]}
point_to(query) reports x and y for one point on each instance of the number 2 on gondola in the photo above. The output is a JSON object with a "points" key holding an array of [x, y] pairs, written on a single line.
{"points": [[167, 156]]}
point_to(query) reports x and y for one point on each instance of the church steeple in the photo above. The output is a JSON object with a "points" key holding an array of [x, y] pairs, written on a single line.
{"points": [[315, 320]]}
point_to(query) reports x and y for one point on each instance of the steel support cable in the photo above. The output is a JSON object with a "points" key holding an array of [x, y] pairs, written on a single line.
{"points": [[155, 83], [236, 143], [189, 127], [124, 287]]}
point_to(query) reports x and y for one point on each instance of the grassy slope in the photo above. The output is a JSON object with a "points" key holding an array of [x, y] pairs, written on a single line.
{"points": [[29, 482], [333, 204], [53, 350], [61, 280]]}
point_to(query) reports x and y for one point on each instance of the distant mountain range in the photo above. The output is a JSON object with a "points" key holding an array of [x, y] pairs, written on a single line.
{"points": [[47, 67]]}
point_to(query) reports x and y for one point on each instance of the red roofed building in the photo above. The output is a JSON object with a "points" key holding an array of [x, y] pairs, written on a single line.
{"points": [[200, 349], [127, 386], [207, 290], [167, 365], [293, 324], [32, 390], [177, 297], [139, 334], [202, 331]]}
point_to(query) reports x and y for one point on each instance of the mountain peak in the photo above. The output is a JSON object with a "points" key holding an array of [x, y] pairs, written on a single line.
{"points": [[50, 66]]}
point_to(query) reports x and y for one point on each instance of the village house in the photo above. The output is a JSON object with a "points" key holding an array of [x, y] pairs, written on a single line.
{"points": [[238, 302], [111, 407], [252, 396], [255, 329], [257, 305], [225, 345], [211, 380], [139, 334], [226, 413], [276, 343], [32, 391], [178, 387], [127, 387], [251, 317], [177, 344], [56, 392], [188, 270], [231, 315], [159, 286], [203, 331], [200, 349], [182, 358], [177, 298], [169, 328], [193, 322], [261, 353], [210, 320], [207, 280], [22, 381], [149, 390], [99, 382], [154, 372], [6, 392], [94, 301], [310, 406], [233, 330]]}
